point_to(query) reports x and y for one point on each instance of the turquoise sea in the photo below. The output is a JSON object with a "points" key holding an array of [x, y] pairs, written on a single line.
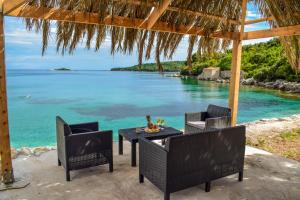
{"points": [[120, 100]]}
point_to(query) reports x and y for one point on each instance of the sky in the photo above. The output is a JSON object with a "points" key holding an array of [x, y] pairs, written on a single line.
{"points": [[23, 49]]}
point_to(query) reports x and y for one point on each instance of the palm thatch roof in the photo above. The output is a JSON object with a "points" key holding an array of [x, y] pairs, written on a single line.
{"points": [[209, 16], [285, 13]]}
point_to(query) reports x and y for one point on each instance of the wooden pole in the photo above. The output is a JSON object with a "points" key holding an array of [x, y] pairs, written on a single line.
{"points": [[7, 175], [236, 68], [235, 80]]}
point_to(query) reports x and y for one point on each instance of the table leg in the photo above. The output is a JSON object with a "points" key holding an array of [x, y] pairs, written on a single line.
{"points": [[133, 154], [120, 145]]}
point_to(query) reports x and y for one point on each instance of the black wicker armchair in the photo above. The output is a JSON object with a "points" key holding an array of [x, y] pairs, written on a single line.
{"points": [[82, 145], [215, 117], [189, 160]]}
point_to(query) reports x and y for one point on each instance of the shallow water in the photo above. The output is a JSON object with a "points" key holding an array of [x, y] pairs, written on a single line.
{"points": [[120, 100]]}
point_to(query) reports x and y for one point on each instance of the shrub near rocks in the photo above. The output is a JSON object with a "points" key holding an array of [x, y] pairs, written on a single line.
{"points": [[266, 62]]}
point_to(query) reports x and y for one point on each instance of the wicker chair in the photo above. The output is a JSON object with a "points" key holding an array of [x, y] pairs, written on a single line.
{"points": [[215, 117], [192, 159], [82, 145]]}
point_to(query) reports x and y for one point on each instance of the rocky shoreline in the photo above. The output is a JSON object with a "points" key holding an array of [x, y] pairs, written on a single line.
{"points": [[214, 74], [282, 85], [291, 87], [27, 151], [256, 128]]}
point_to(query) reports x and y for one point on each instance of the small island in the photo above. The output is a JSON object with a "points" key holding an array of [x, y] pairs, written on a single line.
{"points": [[62, 69]]}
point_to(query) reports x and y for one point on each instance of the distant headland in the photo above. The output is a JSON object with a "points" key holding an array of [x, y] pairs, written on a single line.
{"points": [[171, 66], [62, 69]]}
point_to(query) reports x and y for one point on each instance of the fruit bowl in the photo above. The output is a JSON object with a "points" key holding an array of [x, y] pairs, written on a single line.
{"points": [[152, 130]]}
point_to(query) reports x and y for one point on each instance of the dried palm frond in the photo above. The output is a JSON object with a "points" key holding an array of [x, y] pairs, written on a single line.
{"points": [[124, 40], [174, 45], [285, 13], [141, 46], [192, 41], [292, 51], [157, 51], [150, 44]]}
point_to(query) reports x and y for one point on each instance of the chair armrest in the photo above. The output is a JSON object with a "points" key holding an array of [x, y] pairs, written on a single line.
{"points": [[196, 116], [153, 162], [84, 127], [61, 146], [89, 142], [217, 122]]}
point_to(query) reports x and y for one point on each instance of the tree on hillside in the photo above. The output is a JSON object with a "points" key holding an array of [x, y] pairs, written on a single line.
{"points": [[266, 61]]}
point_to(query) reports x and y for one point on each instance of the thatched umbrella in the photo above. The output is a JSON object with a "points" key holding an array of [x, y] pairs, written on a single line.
{"points": [[124, 40]]}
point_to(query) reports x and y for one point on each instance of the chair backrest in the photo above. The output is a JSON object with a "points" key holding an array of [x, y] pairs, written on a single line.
{"points": [[62, 128], [188, 153], [202, 152], [217, 123], [228, 150], [217, 111]]}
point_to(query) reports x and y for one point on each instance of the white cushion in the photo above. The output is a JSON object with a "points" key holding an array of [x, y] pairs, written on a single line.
{"points": [[159, 142], [197, 124]]}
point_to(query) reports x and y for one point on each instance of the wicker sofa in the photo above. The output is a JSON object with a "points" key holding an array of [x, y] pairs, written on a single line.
{"points": [[214, 118], [82, 145], [192, 159]]}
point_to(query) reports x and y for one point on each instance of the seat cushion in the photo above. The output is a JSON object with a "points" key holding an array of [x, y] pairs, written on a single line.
{"points": [[197, 124], [159, 142]]}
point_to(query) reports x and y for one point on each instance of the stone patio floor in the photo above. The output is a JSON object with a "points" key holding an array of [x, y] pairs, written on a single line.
{"points": [[266, 177]]}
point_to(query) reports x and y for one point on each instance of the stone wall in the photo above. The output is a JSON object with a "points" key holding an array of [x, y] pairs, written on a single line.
{"points": [[210, 73], [226, 74], [215, 74]]}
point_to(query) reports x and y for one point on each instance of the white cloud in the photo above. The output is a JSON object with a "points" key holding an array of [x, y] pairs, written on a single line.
{"points": [[252, 14], [21, 37], [53, 30], [20, 33], [254, 27], [19, 42], [246, 42]]}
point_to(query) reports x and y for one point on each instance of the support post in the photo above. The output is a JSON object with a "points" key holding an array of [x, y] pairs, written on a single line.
{"points": [[236, 67], [7, 175], [235, 80]]}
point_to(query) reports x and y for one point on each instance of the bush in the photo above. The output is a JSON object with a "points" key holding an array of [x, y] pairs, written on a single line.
{"points": [[293, 78], [184, 71], [225, 62], [261, 74], [258, 58], [196, 69]]}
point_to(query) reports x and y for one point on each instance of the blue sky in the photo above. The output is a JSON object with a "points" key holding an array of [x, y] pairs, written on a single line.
{"points": [[23, 49]]}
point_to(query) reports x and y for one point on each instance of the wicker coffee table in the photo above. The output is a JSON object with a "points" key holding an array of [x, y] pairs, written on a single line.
{"points": [[132, 136]]}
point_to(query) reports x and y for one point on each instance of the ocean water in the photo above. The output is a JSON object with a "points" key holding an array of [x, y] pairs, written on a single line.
{"points": [[120, 100]]}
